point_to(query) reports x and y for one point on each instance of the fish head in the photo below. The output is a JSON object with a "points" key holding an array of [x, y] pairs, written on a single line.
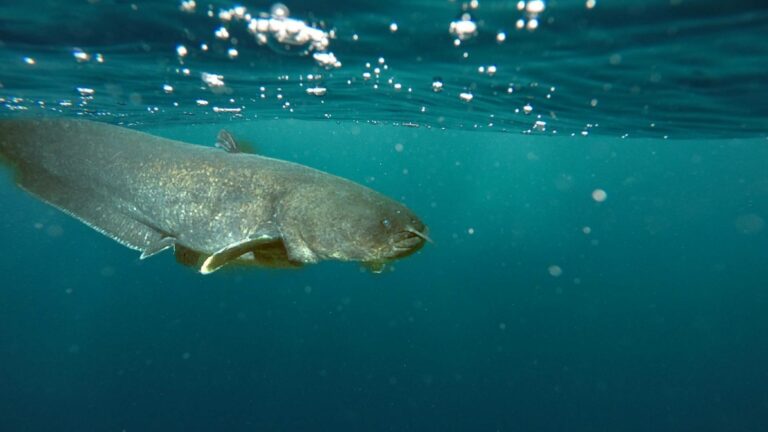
{"points": [[359, 224]]}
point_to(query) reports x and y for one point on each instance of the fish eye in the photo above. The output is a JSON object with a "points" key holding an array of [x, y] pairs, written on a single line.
{"points": [[386, 223]]}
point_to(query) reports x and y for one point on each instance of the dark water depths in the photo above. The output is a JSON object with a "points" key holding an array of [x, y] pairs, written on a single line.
{"points": [[542, 305]]}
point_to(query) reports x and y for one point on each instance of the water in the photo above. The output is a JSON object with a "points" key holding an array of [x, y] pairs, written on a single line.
{"points": [[604, 270]]}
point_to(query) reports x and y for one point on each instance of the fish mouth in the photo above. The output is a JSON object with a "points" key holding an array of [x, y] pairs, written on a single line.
{"points": [[409, 241]]}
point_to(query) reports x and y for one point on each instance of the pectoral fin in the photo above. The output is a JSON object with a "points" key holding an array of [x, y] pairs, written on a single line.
{"points": [[187, 256], [375, 266], [234, 251]]}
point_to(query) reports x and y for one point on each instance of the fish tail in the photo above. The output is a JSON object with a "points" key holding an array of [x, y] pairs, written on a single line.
{"points": [[5, 141], [9, 140], [23, 142]]}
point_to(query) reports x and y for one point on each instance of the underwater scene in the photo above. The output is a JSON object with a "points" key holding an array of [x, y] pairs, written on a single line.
{"points": [[430, 215]]}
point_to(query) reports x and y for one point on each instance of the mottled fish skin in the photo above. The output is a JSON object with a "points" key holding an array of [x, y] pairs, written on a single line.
{"points": [[149, 192]]}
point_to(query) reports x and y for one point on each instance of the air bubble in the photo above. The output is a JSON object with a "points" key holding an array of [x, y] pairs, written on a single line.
{"points": [[463, 28], [555, 270], [437, 85], [599, 195], [317, 91], [222, 33], [279, 11]]}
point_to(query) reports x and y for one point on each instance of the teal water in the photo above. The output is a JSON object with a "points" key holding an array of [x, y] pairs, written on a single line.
{"points": [[538, 307]]}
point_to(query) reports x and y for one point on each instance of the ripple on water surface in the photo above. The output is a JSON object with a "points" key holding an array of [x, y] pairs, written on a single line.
{"points": [[532, 66]]}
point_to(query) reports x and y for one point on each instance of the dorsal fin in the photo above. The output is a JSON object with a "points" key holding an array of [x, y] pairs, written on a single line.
{"points": [[225, 141]]}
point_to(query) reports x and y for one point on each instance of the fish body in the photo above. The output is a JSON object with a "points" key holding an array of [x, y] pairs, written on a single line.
{"points": [[213, 206]]}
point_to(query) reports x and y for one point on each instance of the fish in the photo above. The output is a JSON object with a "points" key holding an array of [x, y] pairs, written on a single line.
{"points": [[212, 205]]}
